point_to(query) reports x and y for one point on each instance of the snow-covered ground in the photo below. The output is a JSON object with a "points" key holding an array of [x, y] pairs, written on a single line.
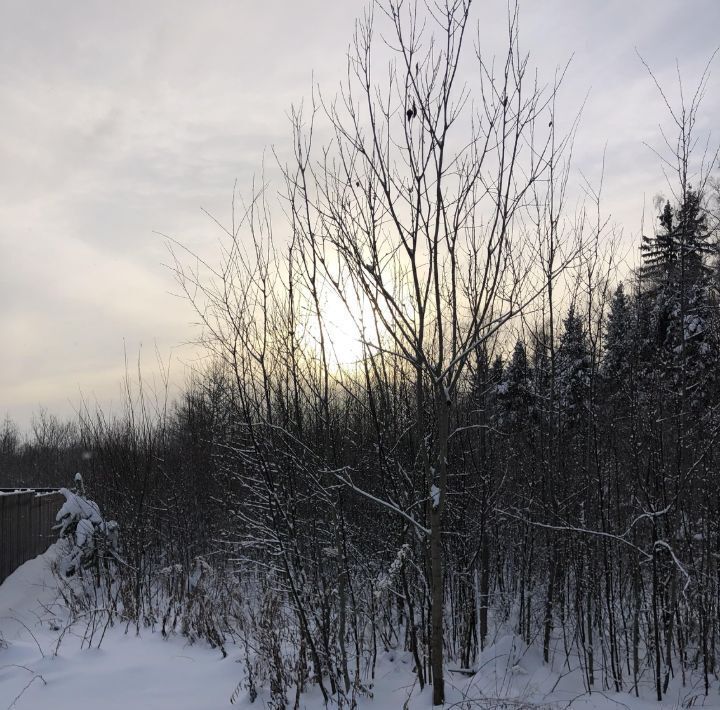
{"points": [[126, 672], [143, 672], [46, 665]]}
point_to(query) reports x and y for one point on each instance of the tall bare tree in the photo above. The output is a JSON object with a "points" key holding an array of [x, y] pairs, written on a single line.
{"points": [[417, 208]]}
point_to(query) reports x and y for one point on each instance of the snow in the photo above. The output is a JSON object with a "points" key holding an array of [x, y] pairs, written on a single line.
{"points": [[145, 672], [386, 580], [25, 490], [435, 495], [82, 526], [76, 507], [84, 532], [46, 665]]}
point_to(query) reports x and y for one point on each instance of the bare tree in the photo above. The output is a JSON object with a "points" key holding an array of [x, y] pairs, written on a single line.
{"points": [[417, 207]]}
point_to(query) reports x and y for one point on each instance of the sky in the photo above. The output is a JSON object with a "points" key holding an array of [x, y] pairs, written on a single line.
{"points": [[120, 121]]}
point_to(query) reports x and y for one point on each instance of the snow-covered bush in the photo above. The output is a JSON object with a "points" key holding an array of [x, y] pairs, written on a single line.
{"points": [[198, 602], [88, 536], [386, 580], [269, 665]]}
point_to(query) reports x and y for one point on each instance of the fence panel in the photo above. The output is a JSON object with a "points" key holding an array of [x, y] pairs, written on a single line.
{"points": [[26, 522]]}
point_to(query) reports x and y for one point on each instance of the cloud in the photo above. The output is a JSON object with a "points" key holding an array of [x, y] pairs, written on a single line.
{"points": [[122, 119]]}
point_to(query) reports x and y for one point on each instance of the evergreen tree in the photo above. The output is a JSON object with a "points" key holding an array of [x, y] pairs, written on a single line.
{"points": [[574, 369], [677, 269], [695, 239], [618, 339], [676, 257], [660, 253], [514, 390]]}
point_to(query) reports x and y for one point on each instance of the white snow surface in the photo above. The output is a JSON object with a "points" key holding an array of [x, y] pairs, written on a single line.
{"points": [[128, 671], [147, 672]]}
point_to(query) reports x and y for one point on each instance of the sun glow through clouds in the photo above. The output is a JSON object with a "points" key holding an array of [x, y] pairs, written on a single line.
{"points": [[347, 326]]}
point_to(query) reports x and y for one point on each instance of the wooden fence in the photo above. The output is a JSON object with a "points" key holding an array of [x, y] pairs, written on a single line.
{"points": [[26, 521]]}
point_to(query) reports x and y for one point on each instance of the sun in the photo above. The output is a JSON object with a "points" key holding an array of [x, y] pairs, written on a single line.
{"points": [[346, 322]]}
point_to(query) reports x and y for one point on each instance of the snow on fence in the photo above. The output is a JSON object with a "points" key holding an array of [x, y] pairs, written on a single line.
{"points": [[26, 521]]}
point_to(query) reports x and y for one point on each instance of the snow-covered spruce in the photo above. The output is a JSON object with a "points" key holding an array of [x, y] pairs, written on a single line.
{"points": [[87, 535]]}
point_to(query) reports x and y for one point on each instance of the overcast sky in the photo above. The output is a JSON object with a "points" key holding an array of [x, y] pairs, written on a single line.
{"points": [[121, 119]]}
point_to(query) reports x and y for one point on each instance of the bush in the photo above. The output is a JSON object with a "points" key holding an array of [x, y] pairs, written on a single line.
{"points": [[88, 537]]}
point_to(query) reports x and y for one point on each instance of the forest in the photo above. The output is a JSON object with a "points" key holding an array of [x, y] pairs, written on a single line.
{"points": [[519, 435]]}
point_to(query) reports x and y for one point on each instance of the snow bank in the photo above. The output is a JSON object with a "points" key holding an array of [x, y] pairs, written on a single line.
{"points": [[148, 672], [145, 672]]}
